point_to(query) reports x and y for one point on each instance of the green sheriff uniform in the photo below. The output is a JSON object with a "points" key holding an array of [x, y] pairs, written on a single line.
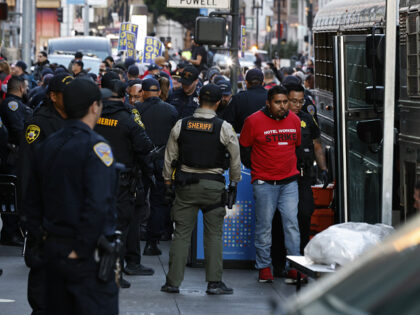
{"points": [[199, 144]]}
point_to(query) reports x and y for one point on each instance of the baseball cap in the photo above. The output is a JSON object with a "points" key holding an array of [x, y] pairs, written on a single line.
{"points": [[128, 62], [291, 80], [150, 85], [108, 80], [46, 71], [189, 75], [153, 66], [78, 62], [79, 95], [133, 70], [59, 82], [254, 75], [21, 65], [211, 92], [225, 86]]}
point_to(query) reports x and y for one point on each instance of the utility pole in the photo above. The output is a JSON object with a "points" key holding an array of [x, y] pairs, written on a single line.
{"points": [[86, 19], [26, 31], [235, 45], [257, 7]]}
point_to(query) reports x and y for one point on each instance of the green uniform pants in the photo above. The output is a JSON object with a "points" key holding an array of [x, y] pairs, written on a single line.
{"points": [[189, 199]]}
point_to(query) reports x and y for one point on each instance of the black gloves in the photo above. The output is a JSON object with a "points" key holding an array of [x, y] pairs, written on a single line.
{"points": [[231, 198], [324, 178]]}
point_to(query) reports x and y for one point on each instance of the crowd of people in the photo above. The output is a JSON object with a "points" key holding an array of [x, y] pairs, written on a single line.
{"points": [[140, 151]]}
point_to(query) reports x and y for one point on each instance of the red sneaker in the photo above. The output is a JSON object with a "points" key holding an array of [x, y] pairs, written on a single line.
{"points": [[291, 277], [265, 275]]}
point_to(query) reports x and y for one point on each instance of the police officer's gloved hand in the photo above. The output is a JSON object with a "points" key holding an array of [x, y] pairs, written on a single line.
{"points": [[324, 178], [169, 194], [232, 191]]}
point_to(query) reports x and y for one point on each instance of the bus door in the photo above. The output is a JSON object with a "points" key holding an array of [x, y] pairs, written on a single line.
{"points": [[359, 131]]}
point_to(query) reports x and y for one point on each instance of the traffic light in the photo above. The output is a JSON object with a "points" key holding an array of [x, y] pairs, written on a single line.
{"points": [[60, 15], [210, 30], [3, 11]]}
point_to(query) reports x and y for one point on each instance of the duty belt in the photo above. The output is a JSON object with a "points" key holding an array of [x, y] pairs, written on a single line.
{"points": [[208, 176]]}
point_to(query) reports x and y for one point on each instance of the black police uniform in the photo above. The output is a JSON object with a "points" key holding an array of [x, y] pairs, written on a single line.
{"points": [[243, 104], [76, 174], [184, 104], [129, 143], [4, 135], [45, 122], [14, 113], [159, 118], [306, 158], [309, 105]]}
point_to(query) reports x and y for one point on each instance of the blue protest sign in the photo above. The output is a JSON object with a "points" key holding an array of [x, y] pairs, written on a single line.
{"points": [[152, 49], [131, 44], [126, 28]]}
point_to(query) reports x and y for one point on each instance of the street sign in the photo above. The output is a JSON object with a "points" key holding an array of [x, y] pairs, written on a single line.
{"points": [[199, 4]]}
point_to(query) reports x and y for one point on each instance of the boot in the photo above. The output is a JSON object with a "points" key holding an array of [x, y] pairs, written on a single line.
{"points": [[152, 249]]}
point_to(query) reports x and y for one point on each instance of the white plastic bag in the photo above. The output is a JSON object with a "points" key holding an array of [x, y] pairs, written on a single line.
{"points": [[342, 243]]}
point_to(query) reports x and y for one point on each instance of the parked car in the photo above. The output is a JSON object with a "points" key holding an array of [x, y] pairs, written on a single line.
{"points": [[91, 46]]}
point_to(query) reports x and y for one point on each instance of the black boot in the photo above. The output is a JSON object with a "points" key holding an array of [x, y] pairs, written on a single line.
{"points": [[152, 249], [217, 288], [124, 284], [138, 270]]}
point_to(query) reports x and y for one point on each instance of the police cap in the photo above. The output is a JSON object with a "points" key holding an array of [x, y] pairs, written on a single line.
{"points": [[151, 85], [79, 95], [225, 86], [254, 75], [211, 93], [59, 82], [189, 75]]}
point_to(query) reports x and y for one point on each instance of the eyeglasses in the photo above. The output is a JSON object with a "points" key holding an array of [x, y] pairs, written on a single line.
{"points": [[295, 101], [284, 102]]}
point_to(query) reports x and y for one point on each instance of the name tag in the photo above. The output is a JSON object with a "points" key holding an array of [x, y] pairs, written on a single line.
{"points": [[199, 126]]}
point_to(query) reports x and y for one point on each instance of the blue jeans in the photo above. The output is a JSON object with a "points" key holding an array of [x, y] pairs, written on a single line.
{"points": [[268, 198]]}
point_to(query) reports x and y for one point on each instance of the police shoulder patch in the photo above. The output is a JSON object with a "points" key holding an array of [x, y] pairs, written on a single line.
{"points": [[32, 133], [303, 124], [137, 119], [311, 109], [13, 105], [103, 151]]}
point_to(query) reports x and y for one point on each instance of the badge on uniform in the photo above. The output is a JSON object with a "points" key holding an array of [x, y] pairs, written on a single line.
{"points": [[137, 117], [303, 124], [13, 105], [32, 133], [311, 109], [103, 151]]}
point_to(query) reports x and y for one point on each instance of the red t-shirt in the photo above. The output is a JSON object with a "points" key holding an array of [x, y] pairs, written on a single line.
{"points": [[273, 145]]}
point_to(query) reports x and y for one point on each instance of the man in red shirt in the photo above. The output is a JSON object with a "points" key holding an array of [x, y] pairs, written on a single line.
{"points": [[272, 135]]}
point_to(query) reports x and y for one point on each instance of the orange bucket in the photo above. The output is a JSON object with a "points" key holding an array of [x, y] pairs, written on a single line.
{"points": [[323, 196], [321, 219]]}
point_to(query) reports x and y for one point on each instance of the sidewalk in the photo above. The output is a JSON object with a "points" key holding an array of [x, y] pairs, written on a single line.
{"points": [[144, 296]]}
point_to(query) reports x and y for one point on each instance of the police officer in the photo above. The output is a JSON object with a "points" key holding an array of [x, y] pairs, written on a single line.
{"points": [[309, 150], [13, 113], [129, 142], [247, 102], [47, 120], [309, 105], [159, 118], [4, 135], [197, 148], [185, 99], [75, 174]]}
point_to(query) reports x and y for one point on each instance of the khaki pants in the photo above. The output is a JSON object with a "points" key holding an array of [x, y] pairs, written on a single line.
{"points": [[189, 199]]}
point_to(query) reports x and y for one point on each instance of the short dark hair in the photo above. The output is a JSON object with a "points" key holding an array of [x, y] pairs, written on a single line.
{"points": [[277, 89], [43, 53], [254, 82], [15, 83], [294, 87]]}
